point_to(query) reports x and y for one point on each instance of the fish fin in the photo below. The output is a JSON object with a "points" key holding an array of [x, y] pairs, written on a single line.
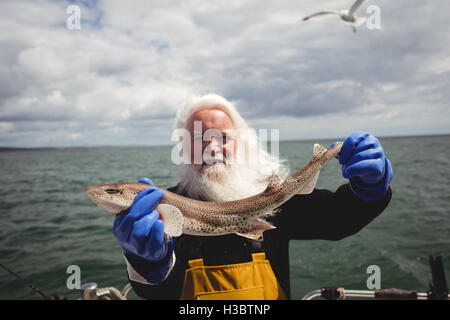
{"points": [[318, 151], [270, 213], [310, 185], [274, 182], [259, 226], [252, 235], [172, 218]]}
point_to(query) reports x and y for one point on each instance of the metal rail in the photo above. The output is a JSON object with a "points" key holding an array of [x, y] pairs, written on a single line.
{"points": [[91, 292], [334, 293]]}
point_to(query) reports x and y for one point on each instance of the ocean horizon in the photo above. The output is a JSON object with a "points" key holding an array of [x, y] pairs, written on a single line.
{"points": [[19, 148]]}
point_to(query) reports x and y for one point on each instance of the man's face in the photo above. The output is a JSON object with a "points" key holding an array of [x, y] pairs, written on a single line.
{"points": [[216, 181], [225, 142]]}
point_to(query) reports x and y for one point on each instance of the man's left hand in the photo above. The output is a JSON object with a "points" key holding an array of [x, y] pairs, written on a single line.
{"points": [[365, 165]]}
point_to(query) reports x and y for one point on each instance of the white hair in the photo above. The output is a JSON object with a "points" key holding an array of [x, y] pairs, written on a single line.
{"points": [[208, 101], [244, 178]]}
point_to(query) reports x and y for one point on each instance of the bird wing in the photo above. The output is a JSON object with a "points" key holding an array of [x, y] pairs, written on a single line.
{"points": [[355, 7], [321, 13]]}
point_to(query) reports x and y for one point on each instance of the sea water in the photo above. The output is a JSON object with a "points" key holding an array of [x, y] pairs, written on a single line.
{"points": [[47, 223]]}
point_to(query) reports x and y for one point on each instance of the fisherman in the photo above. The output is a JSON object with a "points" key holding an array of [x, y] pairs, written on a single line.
{"points": [[231, 266]]}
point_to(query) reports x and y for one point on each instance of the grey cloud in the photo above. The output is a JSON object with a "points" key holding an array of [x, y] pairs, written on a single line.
{"points": [[131, 65]]}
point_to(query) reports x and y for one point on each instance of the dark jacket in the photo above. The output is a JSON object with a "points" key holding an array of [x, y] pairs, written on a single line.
{"points": [[323, 214]]}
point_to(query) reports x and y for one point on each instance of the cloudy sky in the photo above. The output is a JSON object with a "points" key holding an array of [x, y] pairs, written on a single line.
{"points": [[120, 78]]}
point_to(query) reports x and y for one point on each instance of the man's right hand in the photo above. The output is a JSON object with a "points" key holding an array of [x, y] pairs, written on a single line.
{"points": [[139, 230]]}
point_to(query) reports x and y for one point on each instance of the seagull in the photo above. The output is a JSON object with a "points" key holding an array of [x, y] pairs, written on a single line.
{"points": [[348, 16]]}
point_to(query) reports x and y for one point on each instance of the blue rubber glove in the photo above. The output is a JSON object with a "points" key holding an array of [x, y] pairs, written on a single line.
{"points": [[365, 165], [141, 235]]}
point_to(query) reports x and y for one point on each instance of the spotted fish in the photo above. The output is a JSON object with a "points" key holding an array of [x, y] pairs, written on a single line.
{"points": [[245, 217]]}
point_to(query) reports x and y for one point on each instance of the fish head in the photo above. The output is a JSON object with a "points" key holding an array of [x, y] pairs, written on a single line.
{"points": [[115, 198]]}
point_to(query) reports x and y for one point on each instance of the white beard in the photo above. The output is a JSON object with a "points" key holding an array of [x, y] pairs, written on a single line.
{"points": [[221, 182]]}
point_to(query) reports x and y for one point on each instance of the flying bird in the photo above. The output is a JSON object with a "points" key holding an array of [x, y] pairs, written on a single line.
{"points": [[347, 16]]}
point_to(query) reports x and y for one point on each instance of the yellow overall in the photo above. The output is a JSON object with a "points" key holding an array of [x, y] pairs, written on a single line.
{"points": [[252, 280]]}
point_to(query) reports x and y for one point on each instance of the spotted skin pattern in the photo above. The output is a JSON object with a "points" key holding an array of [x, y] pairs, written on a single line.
{"points": [[244, 217]]}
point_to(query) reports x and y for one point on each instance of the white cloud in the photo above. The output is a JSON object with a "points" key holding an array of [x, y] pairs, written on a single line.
{"points": [[120, 78]]}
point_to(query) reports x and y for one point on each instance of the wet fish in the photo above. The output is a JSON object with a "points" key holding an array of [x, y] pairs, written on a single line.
{"points": [[245, 217]]}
